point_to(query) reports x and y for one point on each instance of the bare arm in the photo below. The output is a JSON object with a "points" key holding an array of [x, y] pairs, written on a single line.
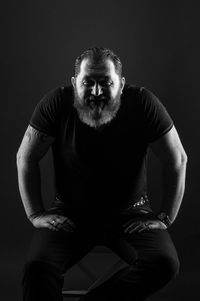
{"points": [[34, 146], [171, 153]]}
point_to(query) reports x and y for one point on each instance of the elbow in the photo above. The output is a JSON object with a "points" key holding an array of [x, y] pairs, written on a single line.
{"points": [[23, 160], [180, 162], [176, 163], [18, 158], [20, 162], [184, 158]]}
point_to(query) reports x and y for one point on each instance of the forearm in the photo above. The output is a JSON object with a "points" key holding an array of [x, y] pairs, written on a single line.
{"points": [[29, 181], [173, 180]]}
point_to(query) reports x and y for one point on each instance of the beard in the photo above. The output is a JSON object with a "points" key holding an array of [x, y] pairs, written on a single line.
{"points": [[97, 111]]}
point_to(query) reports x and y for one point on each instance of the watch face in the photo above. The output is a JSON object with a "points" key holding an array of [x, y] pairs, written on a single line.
{"points": [[162, 215]]}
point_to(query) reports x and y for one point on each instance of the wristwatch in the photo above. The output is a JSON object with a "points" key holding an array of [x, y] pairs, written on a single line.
{"points": [[163, 217]]}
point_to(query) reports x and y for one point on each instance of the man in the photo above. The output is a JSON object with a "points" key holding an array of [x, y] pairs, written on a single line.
{"points": [[100, 129]]}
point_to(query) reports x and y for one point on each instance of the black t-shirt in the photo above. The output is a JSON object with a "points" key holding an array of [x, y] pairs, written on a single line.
{"points": [[98, 173]]}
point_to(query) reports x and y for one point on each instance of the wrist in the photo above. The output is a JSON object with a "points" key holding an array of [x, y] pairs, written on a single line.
{"points": [[35, 214]]}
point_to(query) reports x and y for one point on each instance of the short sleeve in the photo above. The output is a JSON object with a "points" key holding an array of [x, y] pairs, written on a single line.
{"points": [[157, 120], [44, 117]]}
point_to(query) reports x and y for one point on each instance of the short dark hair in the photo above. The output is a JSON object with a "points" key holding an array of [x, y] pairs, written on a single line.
{"points": [[98, 55]]}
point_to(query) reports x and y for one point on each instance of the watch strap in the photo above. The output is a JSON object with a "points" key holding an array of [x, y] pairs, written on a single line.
{"points": [[163, 217]]}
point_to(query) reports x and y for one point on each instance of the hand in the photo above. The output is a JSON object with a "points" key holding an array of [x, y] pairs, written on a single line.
{"points": [[133, 226], [53, 222]]}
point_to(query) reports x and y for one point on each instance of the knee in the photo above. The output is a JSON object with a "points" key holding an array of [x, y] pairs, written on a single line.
{"points": [[168, 267], [35, 270]]}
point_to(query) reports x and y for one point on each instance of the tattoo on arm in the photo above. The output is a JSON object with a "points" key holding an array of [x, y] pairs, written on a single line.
{"points": [[34, 144], [28, 135], [33, 132]]}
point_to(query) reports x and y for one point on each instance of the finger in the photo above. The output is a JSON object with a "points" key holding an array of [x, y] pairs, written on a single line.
{"points": [[145, 229], [49, 226], [58, 226], [137, 228], [52, 221], [132, 225], [67, 226], [127, 223], [67, 229], [64, 225], [71, 222], [55, 220], [55, 224], [62, 219]]}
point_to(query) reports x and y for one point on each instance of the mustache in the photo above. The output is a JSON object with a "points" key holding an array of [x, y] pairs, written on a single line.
{"points": [[96, 100]]}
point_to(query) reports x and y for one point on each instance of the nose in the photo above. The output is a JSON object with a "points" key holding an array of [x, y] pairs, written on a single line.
{"points": [[96, 90]]}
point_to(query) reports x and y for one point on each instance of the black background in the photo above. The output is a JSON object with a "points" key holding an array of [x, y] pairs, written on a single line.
{"points": [[158, 43]]}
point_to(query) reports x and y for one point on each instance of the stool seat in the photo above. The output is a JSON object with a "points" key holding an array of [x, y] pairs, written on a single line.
{"points": [[74, 293], [96, 281]]}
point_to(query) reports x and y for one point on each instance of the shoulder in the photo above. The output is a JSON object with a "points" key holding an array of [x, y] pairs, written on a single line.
{"points": [[136, 98], [140, 91], [55, 98], [146, 100], [131, 90], [58, 93], [137, 92], [130, 95]]}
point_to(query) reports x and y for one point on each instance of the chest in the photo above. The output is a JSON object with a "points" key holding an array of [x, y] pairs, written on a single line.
{"points": [[120, 143]]}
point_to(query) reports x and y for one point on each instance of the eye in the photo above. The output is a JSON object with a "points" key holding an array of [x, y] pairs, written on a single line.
{"points": [[106, 83], [87, 83]]}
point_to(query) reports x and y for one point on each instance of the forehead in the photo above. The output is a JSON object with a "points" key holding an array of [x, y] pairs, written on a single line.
{"points": [[106, 68]]}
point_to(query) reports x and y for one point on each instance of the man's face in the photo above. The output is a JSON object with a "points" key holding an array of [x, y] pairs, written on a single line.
{"points": [[97, 92]]}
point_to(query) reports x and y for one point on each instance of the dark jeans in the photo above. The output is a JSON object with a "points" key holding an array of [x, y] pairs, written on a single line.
{"points": [[150, 257]]}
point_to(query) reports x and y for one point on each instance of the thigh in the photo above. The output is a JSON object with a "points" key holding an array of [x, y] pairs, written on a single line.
{"points": [[59, 248], [147, 246]]}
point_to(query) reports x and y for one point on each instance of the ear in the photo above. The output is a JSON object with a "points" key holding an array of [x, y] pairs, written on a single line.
{"points": [[73, 81], [123, 81]]}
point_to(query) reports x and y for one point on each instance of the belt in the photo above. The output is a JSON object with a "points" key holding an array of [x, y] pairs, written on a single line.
{"points": [[143, 200]]}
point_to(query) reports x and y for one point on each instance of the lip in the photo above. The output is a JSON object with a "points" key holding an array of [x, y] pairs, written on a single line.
{"points": [[94, 105], [96, 100]]}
